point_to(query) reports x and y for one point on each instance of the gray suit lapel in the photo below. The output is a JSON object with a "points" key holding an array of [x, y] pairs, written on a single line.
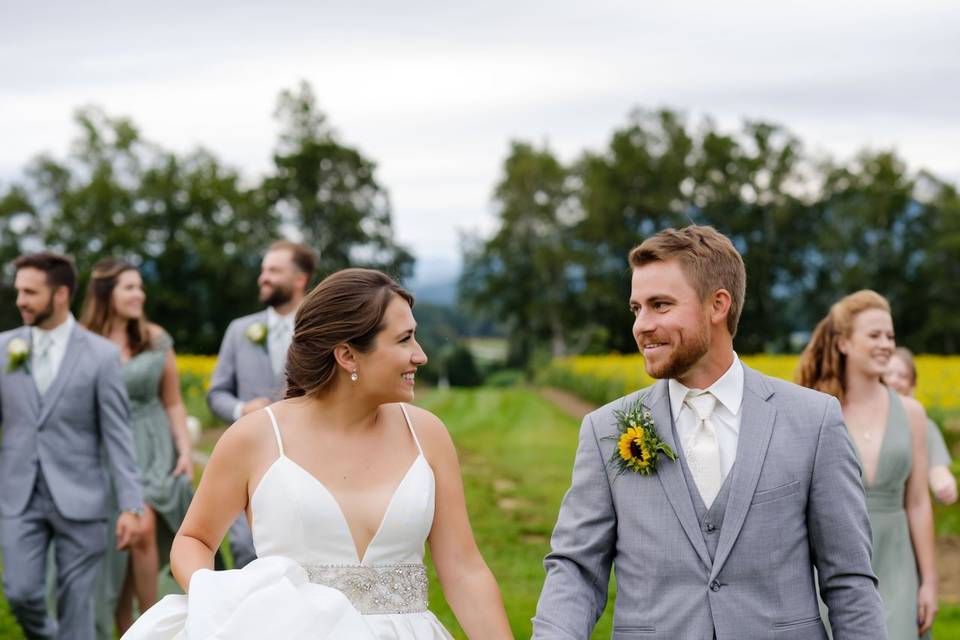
{"points": [[261, 351], [756, 426], [670, 472], [24, 375], [70, 359]]}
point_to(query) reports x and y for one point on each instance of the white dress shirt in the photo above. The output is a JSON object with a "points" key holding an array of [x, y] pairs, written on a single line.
{"points": [[728, 389], [57, 338]]}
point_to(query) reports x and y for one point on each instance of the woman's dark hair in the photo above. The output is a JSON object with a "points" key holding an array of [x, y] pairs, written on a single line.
{"points": [[346, 307], [60, 270], [98, 313]]}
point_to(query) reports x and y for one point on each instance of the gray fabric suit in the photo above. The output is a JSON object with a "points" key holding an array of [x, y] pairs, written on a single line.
{"points": [[55, 485], [243, 373], [742, 570]]}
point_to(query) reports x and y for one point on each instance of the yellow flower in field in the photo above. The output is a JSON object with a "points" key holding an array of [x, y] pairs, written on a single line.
{"points": [[633, 450]]}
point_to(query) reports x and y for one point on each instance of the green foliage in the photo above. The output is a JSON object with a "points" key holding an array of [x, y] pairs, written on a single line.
{"points": [[329, 192], [461, 367], [191, 223], [810, 231], [505, 378], [516, 451]]}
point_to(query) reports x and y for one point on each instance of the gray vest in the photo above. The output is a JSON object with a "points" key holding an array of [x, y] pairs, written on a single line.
{"points": [[710, 520]]}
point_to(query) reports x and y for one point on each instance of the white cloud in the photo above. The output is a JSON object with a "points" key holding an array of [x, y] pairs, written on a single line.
{"points": [[434, 91]]}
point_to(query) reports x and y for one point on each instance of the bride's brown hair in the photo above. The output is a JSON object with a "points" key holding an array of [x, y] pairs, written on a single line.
{"points": [[822, 366], [346, 307]]}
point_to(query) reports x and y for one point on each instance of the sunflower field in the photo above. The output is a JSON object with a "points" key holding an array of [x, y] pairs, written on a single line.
{"points": [[601, 379]]}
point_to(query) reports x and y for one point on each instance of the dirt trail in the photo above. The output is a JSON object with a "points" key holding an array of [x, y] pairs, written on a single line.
{"points": [[948, 547]]}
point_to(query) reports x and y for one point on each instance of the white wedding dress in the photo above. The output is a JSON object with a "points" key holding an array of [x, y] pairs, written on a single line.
{"points": [[308, 582]]}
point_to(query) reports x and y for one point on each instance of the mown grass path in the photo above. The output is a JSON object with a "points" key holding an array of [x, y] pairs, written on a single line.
{"points": [[516, 450]]}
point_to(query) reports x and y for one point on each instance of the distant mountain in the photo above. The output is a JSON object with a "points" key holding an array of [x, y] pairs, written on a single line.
{"points": [[435, 280]]}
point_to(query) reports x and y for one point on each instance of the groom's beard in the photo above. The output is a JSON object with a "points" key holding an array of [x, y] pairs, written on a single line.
{"points": [[41, 316], [278, 296], [684, 356]]}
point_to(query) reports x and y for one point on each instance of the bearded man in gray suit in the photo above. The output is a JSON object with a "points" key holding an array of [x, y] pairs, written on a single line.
{"points": [[250, 366], [62, 404], [723, 541]]}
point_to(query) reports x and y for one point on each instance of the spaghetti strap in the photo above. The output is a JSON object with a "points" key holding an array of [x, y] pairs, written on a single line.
{"points": [[276, 431], [406, 417]]}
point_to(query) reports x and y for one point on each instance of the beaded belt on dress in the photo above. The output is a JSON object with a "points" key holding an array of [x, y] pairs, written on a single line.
{"points": [[385, 588]]}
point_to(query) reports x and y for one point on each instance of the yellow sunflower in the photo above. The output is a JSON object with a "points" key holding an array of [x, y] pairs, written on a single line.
{"points": [[633, 449]]}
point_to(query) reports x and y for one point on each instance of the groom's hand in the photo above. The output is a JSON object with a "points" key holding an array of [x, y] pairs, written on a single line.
{"points": [[128, 529]]}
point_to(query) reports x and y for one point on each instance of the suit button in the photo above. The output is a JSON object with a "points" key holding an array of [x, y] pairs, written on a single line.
{"points": [[715, 586], [710, 527]]}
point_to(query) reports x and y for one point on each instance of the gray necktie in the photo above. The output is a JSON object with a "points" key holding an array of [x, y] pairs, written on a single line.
{"points": [[43, 363], [279, 343], [702, 448]]}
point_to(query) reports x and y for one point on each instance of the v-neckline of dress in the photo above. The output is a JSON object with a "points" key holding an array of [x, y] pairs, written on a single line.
{"points": [[360, 558], [868, 484]]}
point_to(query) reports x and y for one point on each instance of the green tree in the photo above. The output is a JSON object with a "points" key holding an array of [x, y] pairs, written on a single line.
{"points": [[636, 187], [748, 186], [522, 276], [328, 191]]}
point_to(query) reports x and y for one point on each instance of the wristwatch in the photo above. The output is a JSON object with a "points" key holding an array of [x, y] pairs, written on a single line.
{"points": [[138, 511]]}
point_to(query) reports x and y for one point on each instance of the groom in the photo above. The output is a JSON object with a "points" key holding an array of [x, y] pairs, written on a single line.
{"points": [[63, 405], [722, 542]]}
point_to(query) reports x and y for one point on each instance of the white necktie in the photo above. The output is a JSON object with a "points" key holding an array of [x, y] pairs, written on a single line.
{"points": [[279, 343], [702, 448], [43, 363]]}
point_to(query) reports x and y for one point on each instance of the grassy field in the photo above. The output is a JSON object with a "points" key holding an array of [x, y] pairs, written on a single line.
{"points": [[516, 451]]}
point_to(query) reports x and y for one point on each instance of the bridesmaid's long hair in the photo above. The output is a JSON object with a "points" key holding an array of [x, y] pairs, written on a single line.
{"points": [[98, 313], [822, 366], [346, 307]]}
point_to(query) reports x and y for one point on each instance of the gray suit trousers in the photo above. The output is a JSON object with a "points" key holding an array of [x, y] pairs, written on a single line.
{"points": [[79, 549]]}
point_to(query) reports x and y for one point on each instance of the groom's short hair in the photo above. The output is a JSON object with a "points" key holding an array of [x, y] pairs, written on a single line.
{"points": [[60, 269], [708, 259]]}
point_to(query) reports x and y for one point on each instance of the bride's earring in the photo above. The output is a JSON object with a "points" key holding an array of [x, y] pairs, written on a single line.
{"points": [[354, 376]]}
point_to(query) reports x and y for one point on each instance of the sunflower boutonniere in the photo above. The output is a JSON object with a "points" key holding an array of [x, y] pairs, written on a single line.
{"points": [[18, 354], [638, 445], [257, 333]]}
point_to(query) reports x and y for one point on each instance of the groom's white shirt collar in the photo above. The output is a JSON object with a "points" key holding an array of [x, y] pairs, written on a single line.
{"points": [[274, 319], [59, 339], [726, 418], [728, 390]]}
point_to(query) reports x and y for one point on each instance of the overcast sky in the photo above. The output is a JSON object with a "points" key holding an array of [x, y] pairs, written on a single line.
{"points": [[434, 91]]}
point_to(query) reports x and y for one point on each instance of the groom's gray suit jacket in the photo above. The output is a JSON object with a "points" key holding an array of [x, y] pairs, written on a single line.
{"points": [[793, 500], [243, 370], [62, 432]]}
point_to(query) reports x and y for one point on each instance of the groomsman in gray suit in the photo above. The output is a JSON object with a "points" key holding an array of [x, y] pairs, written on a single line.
{"points": [[253, 355], [723, 541], [62, 403]]}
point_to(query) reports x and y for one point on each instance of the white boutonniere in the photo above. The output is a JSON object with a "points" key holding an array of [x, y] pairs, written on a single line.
{"points": [[257, 333], [18, 354]]}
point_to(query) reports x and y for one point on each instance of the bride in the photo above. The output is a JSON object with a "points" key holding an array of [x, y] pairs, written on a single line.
{"points": [[342, 483]]}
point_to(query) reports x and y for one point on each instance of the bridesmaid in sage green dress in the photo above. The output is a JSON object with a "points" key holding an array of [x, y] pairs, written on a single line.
{"points": [[113, 307], [901, 376], [847, 357]]}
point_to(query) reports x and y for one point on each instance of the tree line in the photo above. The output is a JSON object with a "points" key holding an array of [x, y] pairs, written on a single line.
{"points": [[810, 229], [193, 224]]}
